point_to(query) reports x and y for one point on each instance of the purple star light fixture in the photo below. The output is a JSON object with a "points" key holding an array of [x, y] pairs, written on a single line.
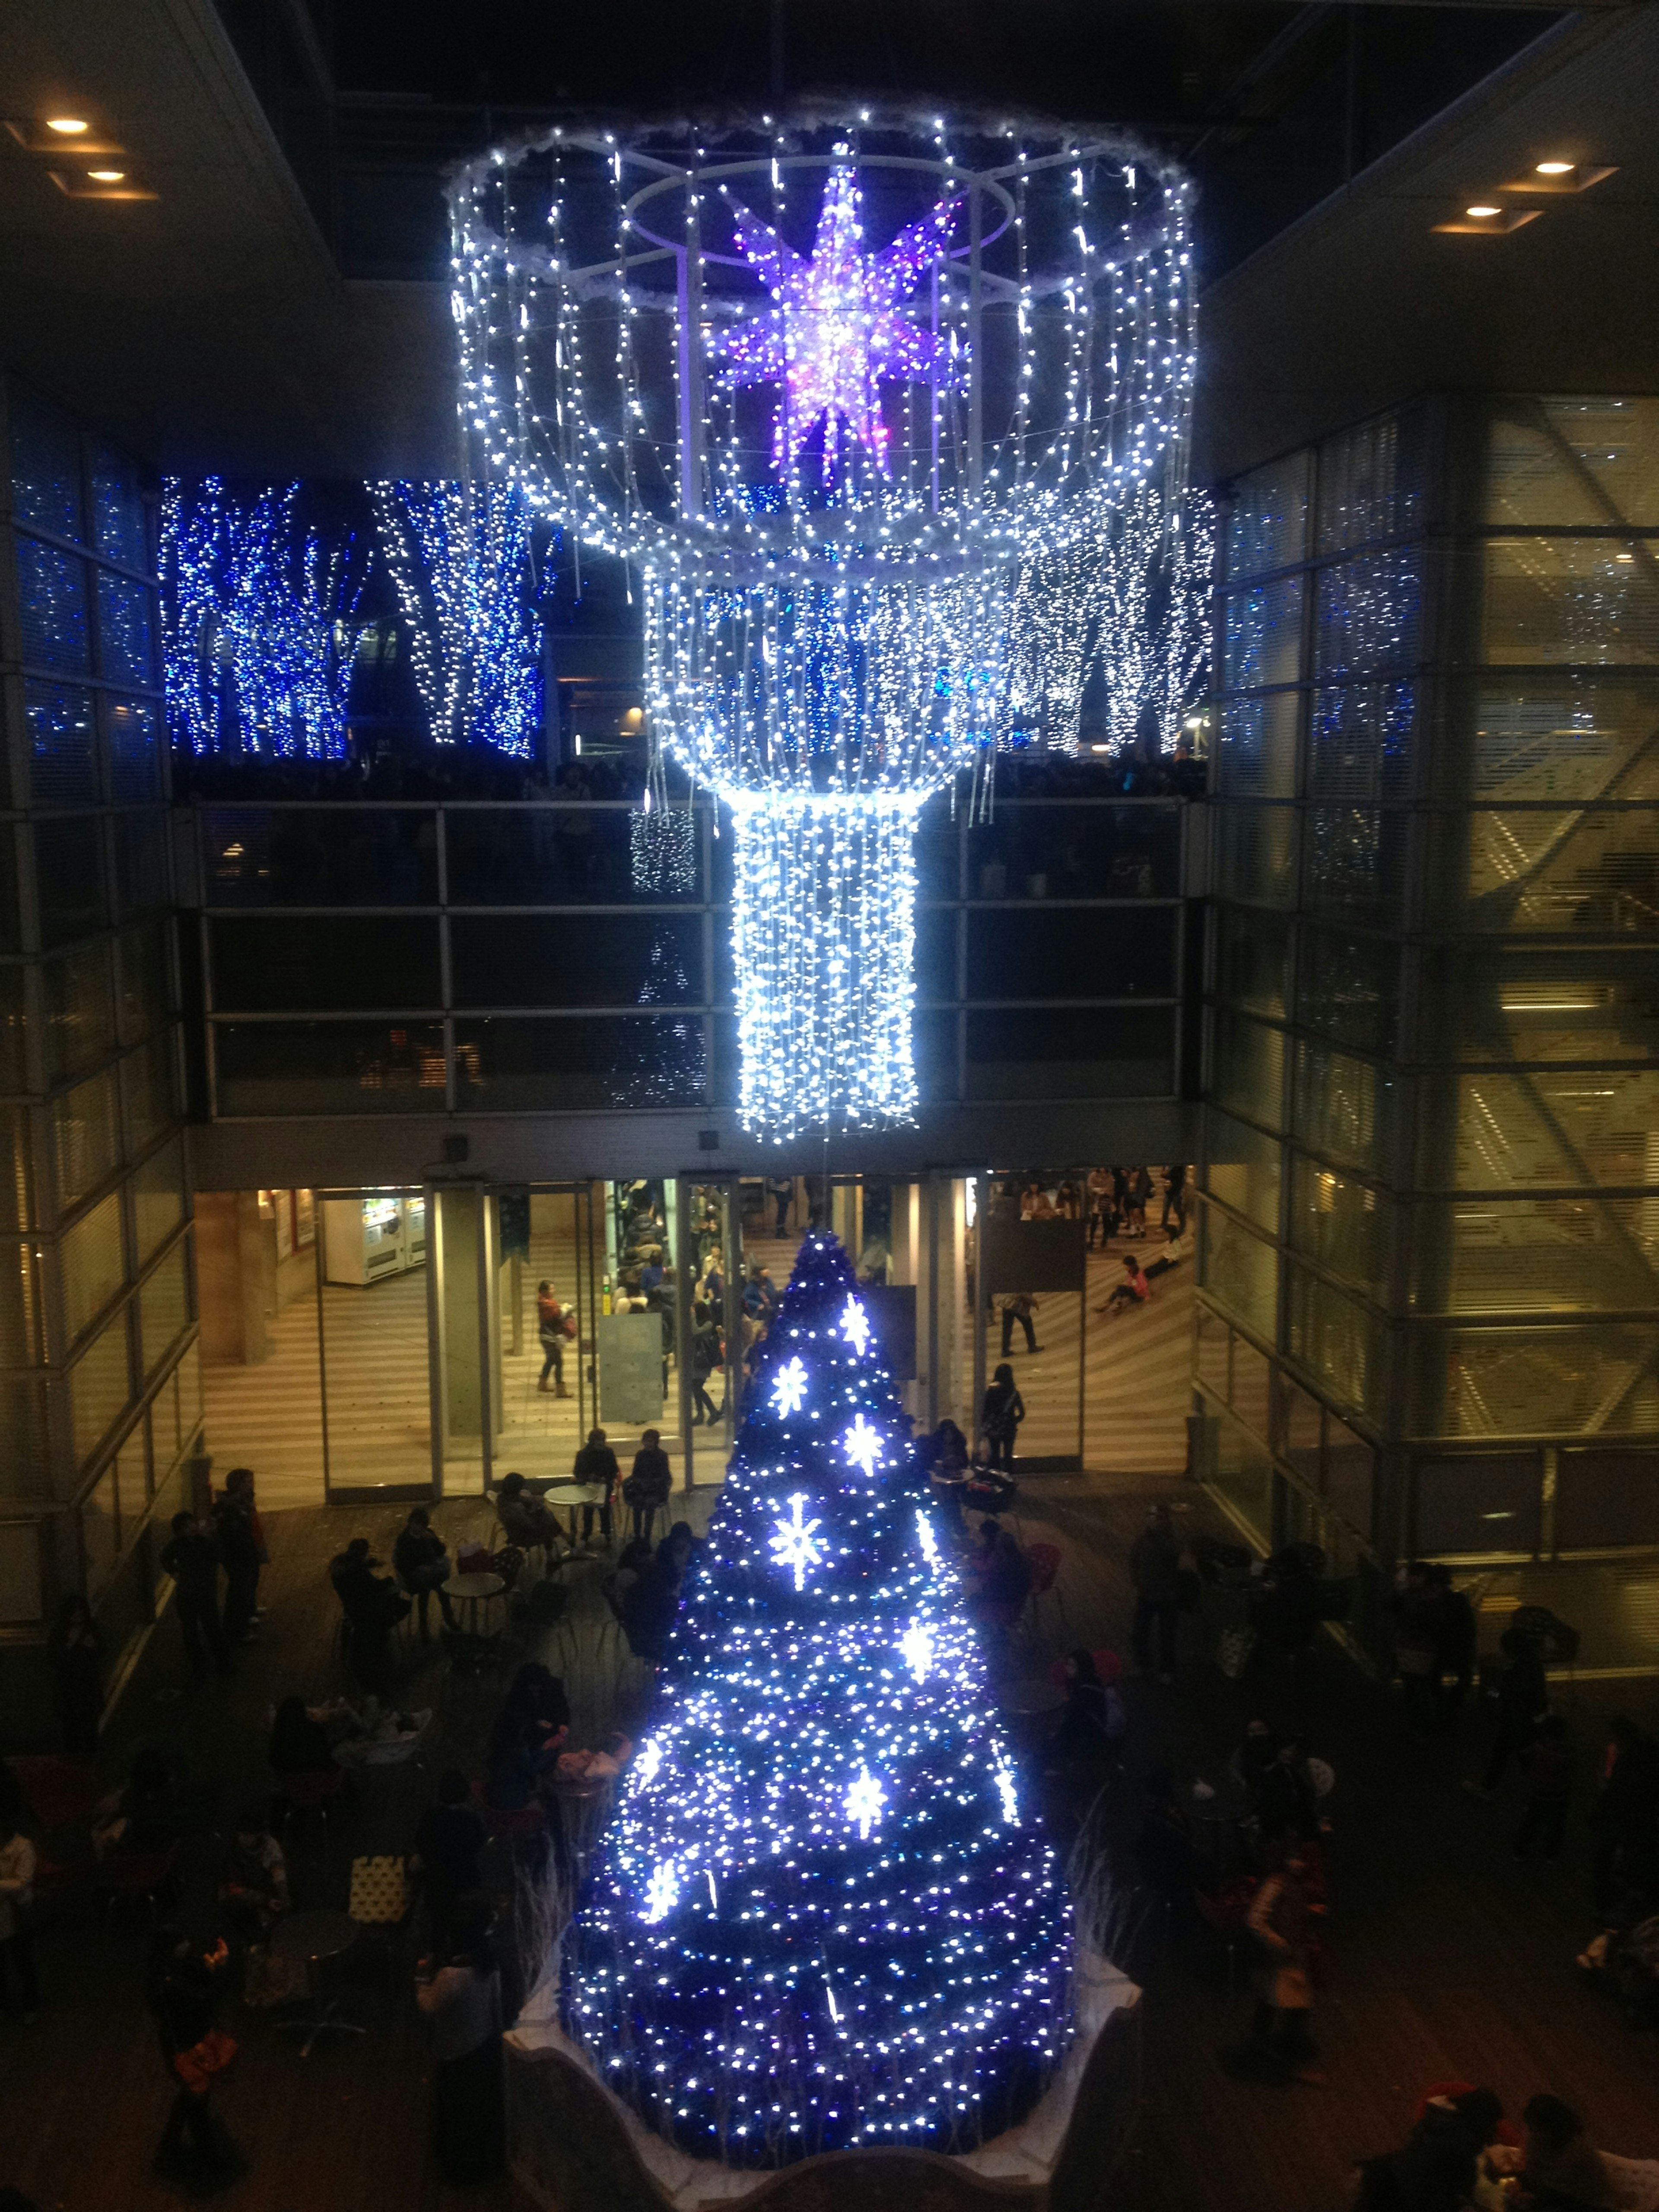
{"points": [[839, 328]]}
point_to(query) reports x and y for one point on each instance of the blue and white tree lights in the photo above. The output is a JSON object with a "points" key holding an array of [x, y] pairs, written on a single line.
{"points": [[818, 1919]]}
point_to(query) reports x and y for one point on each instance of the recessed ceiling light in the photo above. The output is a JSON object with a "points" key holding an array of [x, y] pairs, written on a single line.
{"points": [[106, 176], [1479, 212], [68, 126], [1555, 169]]}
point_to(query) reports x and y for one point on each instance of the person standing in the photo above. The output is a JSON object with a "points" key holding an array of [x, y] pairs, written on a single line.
{"points": [[75, 1652], [1019, 1308], [1003, 1412], [1523, 1700], [447, 1843], [17, 1940], [1626, 1819], [649, 1485], [422, 1560], [461, 1994], [1550, 1767], [1100, 1206], [551, 1332], [706, 1357], [1174, 1198], [1155, 1569], [1457, 1640], [782, 1191], [1280, 2046], [191, 1557], [238, 1552], [595, 1465], [195, 2149]]}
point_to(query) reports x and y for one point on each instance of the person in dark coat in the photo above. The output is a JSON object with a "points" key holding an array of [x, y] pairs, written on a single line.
{"points": [[422, 1560], [75, 1652], [650, 1605], [596, 1465], [1523, 1700], [1457, 1639], [459, 1991], [447, 1844], [649, 1485], [1002, 1411], [372, 1606], [705, 1355], [1625, 1817], [191, 1557], [1093, 1725], [239, 1553], [1155, 1569], [298, 1744]]}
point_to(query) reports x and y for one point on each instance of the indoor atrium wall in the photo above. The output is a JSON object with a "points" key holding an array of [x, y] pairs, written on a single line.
{"points": [[1430, 1314], [97, 1335]]}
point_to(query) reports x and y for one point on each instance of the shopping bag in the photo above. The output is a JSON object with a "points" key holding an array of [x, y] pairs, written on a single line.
{"points": [[1233, 1650]]}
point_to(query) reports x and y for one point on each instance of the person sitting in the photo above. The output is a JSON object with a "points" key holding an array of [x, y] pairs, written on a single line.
{"points": [[1254, 1757], [1133, 1291], [988, 1489], [595, 1467], [447, 1842], [421, 1559], [1004, 1577], [650, 1605], [299, 1742], [650, 1484], [1559, 2168], [1093, 1723], [526, 1520], [603, 1764], [1284, 1607], [144, 1818], [1436, 2170], [945, 1457], [522, 1753], [253, 1889]]}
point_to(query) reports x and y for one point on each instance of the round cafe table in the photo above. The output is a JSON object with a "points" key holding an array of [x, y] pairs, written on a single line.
{"points": [[314, 1938], [472, 1591], [1032, 1700]]}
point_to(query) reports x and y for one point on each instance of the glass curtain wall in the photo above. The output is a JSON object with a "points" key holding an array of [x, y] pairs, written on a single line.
{"points": [[98, 1355], [1433, 1141]]}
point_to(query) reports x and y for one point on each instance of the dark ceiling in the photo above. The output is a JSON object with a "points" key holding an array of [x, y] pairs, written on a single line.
{"points": [[1272, 105], [277, 308]]}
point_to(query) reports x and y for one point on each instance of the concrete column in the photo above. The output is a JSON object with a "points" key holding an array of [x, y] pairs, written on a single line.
{"points": [[459, 1227]]}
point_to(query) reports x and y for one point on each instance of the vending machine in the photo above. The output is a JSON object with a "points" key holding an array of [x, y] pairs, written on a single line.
{"points": [[366, 1239]]}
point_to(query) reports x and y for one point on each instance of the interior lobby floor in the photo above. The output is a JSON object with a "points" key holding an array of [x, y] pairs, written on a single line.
{"points": [[1450, 1960], [373, 1358]]}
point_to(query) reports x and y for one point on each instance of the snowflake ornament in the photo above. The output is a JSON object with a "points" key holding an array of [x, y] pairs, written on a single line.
{"points": [[839, 328], [662, 1892], [862, 1445], [865, 1801], [916, 1649], [855, 1325], [789, 1387], [794, 1546]]}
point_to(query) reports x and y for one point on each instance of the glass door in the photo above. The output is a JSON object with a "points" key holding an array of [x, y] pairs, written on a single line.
{"points": [[373, 1287], [1032, 1312]]}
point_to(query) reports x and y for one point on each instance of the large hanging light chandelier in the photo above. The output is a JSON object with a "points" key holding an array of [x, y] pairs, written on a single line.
{"points": [[882, 418]]}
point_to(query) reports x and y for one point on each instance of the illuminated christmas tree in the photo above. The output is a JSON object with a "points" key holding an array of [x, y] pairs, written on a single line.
{"points": [[822, 1917]]}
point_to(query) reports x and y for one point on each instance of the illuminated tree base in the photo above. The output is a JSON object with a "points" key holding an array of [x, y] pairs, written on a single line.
{"points": [[571, 2141], [823, 928]]}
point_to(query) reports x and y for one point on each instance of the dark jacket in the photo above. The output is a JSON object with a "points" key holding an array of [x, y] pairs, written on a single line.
{"points": [[449, 1841], [1004, 1409], [1155, 1564], [239, 1542], [193, 1560], [597, 1463], [416, 1548], [369, 1600], [651, 1480]]}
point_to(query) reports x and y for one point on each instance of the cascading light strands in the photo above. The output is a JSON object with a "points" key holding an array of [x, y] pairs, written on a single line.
{"points": [[822, 1918], [257, 613], [460, 557], [863, 406]]}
